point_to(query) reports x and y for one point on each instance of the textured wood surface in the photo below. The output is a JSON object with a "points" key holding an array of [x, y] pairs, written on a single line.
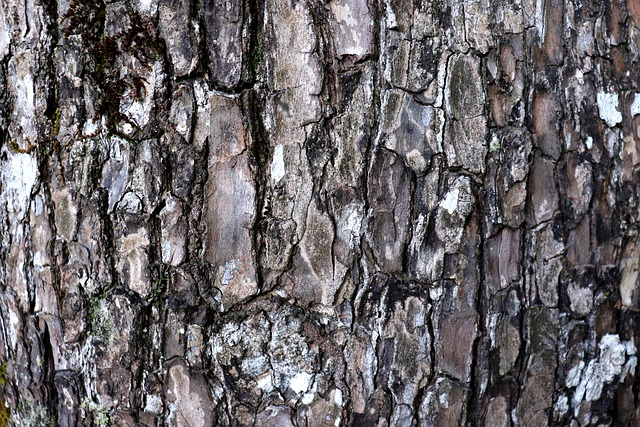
{"points": [[309, 213]]}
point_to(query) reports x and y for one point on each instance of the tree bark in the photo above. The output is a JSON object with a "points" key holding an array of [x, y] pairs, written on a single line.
{"points": [[309, 213]]}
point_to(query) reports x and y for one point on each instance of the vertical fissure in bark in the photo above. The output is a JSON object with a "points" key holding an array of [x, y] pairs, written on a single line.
{"points": [[357, 212]]}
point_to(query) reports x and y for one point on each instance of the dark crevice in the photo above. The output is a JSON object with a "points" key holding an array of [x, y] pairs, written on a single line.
{"points": [[481, 300]]}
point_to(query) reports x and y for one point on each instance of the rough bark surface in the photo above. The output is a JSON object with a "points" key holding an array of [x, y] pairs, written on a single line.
{"points": [[309, 213]]}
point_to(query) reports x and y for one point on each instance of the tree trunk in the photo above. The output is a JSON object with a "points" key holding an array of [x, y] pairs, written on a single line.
{"points": [[308, 213]]}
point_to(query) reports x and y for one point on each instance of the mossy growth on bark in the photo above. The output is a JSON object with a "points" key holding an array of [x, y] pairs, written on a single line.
{"points": [[88, 19], [100, 321], [5, 413]]}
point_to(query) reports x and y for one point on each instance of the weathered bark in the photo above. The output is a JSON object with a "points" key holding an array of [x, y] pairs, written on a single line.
{"points": [[307, 213]]}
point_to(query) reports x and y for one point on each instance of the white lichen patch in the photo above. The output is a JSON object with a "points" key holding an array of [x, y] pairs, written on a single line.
{"points": [[229, 268], [635, 105], [561, 406], [93, 125], [13, 327], [301, 382], [147, 7], [277, 165], [435, 292], [264, 382], [601, 371], [443, 398], [153, 404], [337, 397], [608, 108], [307, 399], [18, 178], [354, 221], [573, 376], [588, 143], [450, 201]]}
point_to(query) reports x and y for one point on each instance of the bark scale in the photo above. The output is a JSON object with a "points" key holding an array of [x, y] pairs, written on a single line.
{"points": [[307, 213]]}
